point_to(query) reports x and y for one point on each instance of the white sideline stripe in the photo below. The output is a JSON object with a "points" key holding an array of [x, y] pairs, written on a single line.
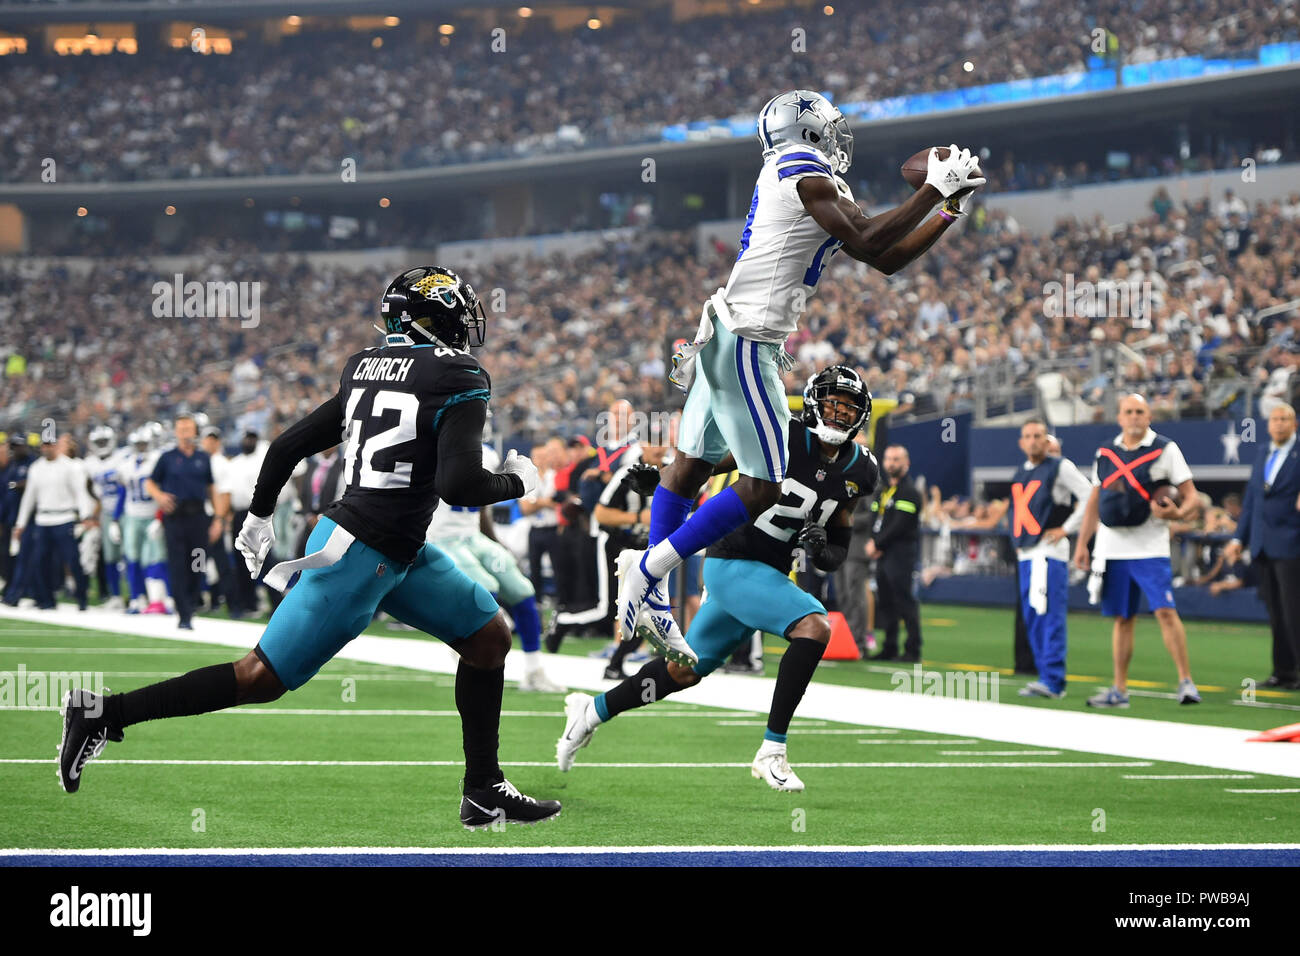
{"points": [[1196, 745], [254, 711], [661, 848], [1189, 776], [1291, 790], [1264, 703], [936, 741], [551, 763], [796, 722], [859, 731], [1000, 753]]}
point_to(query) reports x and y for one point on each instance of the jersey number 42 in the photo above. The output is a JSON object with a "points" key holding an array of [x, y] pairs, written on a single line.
{"points": [[364, 416]]}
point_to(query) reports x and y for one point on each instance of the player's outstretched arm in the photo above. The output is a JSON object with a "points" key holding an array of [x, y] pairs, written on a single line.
{"points": [[461, 478], [320, 430], [867, 240]]}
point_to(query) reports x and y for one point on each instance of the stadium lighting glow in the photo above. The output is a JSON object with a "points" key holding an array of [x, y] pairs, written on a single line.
{"points": [[968, 66], [293, 21], [446, 29], [81, 210], [525, 12], [377, 42], [593, 23], [170, 210], [384, 203], [828, 10], [392, 21]]}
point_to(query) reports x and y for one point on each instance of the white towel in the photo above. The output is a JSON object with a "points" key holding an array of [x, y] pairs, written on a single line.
{"points": [[1038, 583], [339, 541], [683, 372], [1095, 580]]}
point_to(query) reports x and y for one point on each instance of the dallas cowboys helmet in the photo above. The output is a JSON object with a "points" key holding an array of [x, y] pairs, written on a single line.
{"points": [[433, 304], [835, 380], [805, 118], [102, 440]]}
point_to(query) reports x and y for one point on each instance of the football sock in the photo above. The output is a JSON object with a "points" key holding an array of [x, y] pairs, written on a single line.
{"points": [[528, 623], [198, 692], [622, 651], [478, 698], [134, 579], [112, 579], [714, 520], [651, 683], [797, 666], [668, 510]]}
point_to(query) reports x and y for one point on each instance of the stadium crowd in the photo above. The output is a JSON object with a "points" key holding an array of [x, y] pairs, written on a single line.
{"points": [[328, 96]]}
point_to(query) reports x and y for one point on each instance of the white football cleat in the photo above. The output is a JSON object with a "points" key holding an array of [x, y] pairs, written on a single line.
{"points": [[114, 603], [635, 588], [773, 768], [577, 732], [660, 628], [536, 681]]}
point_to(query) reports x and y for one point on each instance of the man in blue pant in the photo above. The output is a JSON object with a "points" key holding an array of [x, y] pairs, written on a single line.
{"points": [[55, 499], [1042, 491]]}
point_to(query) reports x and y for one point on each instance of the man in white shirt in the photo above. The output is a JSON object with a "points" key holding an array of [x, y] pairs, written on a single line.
{"points": [[1131, 557], [1048, 496], [56, 499]]}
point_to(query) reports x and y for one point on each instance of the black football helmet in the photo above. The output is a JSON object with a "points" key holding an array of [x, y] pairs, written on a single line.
{"points": [[434, 304], [835, 380]]}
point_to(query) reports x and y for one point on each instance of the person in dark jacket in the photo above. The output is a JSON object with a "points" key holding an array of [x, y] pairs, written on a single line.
{"points": [[1269, 527], [894, 546]]}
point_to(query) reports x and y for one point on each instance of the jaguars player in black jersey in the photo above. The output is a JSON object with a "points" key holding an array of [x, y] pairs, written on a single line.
{"points": [[411, 415], [746, 576]]}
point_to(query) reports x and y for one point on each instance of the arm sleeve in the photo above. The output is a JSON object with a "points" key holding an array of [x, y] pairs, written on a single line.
{"points": [[1175, 465], [461, 478], [320, 430], [1072, 480], [837, 548], [159, 473], [1248, 504], [28, 504], [903, 521]]}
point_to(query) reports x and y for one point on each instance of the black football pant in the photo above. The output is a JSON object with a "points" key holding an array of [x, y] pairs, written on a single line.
{"points": [[542, 540], [187, 555], [1279, 586], [896, 604]]}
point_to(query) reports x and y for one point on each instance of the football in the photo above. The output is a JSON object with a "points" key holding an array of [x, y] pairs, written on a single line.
{"points": [[915, 169], [1167, 491]]}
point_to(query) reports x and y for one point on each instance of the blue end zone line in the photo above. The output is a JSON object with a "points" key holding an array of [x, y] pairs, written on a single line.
{"points": [[979, 856]]}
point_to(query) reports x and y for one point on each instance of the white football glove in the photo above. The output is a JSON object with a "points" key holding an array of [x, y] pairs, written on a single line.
{"points": [[521, 465], [114, 533], [155, 530], [256, 538], [953, 174]]}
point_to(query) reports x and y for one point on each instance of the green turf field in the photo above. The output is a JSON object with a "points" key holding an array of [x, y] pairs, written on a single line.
{"points": [[246, 786]]}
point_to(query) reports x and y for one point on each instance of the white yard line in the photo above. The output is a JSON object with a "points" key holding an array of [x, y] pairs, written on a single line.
{"points": [[1221, 748], [1189, 776], [923, 765]]}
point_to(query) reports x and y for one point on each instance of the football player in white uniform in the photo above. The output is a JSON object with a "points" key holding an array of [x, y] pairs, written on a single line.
{"points": [[103, 464], [465, 535], [802, 213], [142, 539]]}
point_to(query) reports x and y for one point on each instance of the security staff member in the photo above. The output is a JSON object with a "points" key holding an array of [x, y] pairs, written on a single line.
{"points": [[1270, 527], [180, 482], [895, 546]]}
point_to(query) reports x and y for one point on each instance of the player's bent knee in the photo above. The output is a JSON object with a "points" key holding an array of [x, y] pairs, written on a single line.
{"points": [[255, 683], [683, 675], [812, 627], [758, 495], [685, 476], [487, 647]]}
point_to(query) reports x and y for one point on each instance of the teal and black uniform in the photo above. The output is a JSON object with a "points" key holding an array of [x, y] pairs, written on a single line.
{"points": [[746, 574], [411, 418]]}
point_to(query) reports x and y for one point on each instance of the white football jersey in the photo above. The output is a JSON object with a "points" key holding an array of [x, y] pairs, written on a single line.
{"points": [[133, 468], [782, 249], [459, 521], [103, 478]]}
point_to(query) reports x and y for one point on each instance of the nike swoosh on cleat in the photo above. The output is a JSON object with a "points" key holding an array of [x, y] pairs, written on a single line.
{"points": [[73, 771]]}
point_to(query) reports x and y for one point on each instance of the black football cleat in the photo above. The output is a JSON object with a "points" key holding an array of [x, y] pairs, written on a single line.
{"points": [[85, 733], [502, 803]]}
